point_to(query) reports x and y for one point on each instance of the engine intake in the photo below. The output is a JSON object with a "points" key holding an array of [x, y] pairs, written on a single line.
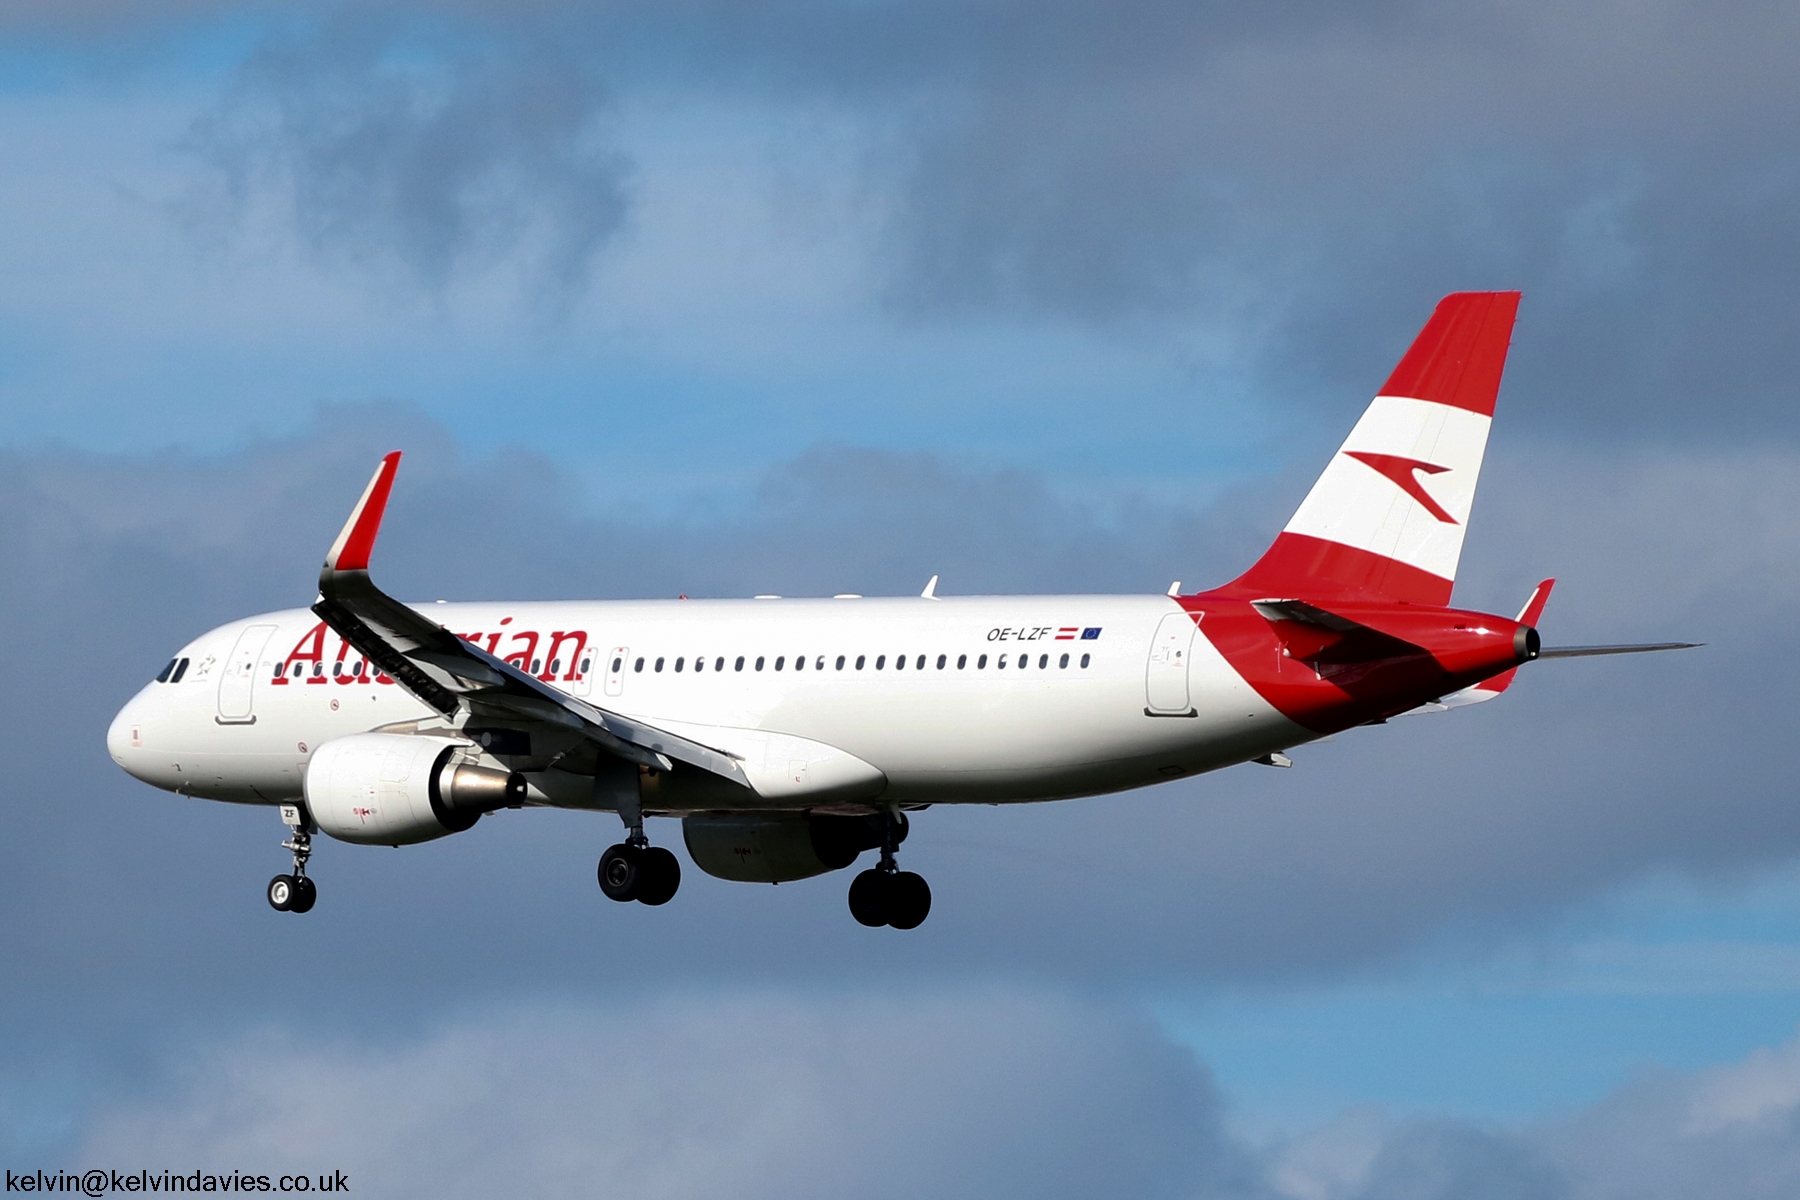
{"points": [[391, 789]]}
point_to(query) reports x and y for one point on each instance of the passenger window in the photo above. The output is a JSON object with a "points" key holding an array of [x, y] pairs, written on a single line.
{"points": [[779, 660], [699, 664], [277, 674], [740, 662], [298, 667], [921, 663], [719, 663], [880, 661], [585, 664], [162, 676], [555, 665], [1000, 663], [357, 669], [536, 663], [180, 670], [617, 662], [962, 661], [820, 665], [941, 661], [638, 665], [659, 663], [981, 663], [1084, 660], [1043, 661], [840, 662], [759, 662], [1064, 662], [318, 669], [678, 664], [899, 662], [859, 661], [337, 668], [799, 662]]}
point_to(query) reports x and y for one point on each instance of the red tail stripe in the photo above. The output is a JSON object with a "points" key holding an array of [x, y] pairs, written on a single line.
{"points": [[1457, 358], [1301, 567]]}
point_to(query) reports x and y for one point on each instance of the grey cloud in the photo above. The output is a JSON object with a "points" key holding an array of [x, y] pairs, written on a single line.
{"points": [[1730, 1132], [1314, 186], [946, 1091], [385, 150], [1295, 183], [1001, 1093]]}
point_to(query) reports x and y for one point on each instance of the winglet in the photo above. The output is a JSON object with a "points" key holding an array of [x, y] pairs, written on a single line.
{"points": [[930, 592], [357, 539]]}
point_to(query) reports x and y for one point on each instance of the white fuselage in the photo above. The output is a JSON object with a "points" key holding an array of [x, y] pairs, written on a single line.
{"points": [[809, 694]]}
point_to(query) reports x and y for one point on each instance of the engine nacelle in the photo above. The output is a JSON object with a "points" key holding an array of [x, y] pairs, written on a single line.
{"points": [[765, 849], [392, 789]]}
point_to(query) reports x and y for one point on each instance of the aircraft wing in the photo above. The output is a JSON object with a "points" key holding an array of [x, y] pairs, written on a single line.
{"points": [[451, 674]]}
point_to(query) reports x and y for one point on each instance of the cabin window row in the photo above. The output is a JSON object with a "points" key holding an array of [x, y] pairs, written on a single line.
{"points": [[901, 662], [338, 669]]}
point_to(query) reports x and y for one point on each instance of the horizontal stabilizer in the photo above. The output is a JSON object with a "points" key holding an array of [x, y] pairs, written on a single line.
{"points": [[1592, 651]]}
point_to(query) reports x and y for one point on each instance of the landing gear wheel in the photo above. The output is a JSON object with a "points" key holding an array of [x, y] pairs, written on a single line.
{"points": [[622, 872], [282, 890], [306, 892], [869, 897], [908, 900], [659, 875]]}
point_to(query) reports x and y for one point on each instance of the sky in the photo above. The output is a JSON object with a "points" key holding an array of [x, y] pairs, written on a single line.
{"points": [[722, 299]]}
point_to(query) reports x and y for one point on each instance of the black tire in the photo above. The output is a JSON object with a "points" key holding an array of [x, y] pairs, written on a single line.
{"points": [[909, 900], [621, 873], [869, 898], [281, 893], [306, 894], [661, 876]]}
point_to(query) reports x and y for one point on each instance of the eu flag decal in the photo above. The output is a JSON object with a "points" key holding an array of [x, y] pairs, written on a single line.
{"points": [[1091, 634]]}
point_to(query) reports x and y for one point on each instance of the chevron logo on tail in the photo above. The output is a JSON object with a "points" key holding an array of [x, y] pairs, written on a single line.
{"points": [[1404, 473]]}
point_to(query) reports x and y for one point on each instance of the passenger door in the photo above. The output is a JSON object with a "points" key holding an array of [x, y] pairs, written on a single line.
{"points": [[1166, 677], [237, 685]]}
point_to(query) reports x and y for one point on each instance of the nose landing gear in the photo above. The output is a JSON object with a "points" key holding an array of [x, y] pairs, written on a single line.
{"points": [[636, 870], [295, 893], [886, 895]]}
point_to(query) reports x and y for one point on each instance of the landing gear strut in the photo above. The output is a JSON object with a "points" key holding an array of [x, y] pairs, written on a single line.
{"points": [[295, 893], [886, 895], [634, 869]]}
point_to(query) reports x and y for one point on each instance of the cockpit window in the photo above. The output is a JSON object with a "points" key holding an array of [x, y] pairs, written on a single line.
{"points": [[180, 670], [162, 676]]}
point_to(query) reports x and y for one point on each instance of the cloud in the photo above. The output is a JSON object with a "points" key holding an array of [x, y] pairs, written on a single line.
{"points": [[382, 150], [1730, 1132], [995, 1093], [956, 1090]]}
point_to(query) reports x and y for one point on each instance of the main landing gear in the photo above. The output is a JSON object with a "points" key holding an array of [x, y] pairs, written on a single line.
{"points": [[886, 895], [636, 870], [295, 893]]}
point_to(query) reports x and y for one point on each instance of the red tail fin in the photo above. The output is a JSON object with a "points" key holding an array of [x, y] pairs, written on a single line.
{"points": [[1386, 519]]}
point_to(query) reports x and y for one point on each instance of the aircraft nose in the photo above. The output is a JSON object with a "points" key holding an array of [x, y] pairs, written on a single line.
{"points": [[125, 736]]}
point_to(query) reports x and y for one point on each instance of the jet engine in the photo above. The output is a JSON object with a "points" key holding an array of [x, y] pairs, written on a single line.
{"points": [[391, 789], [765, 849]]}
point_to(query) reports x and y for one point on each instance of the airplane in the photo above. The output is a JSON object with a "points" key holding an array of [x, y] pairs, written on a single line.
{"points": [[790, 736]]}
